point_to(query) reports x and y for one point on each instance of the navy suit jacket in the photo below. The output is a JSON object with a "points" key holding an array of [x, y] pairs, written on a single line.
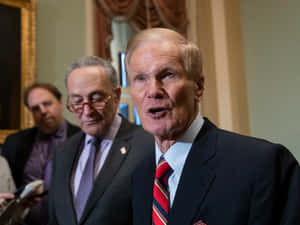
{"points": [[109, 202], [227, 179]]}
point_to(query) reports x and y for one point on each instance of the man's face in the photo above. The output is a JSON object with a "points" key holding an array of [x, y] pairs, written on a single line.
{"points": [[166, 99], [46, 110], [88, 85]]}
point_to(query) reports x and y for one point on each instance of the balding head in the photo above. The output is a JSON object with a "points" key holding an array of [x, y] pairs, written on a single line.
{"points": [[189, 53]]}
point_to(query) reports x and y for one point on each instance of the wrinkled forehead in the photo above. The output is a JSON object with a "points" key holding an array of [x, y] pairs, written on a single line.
{"points": [[156, 36], [86, 78], [41, 96], [155, 48]]}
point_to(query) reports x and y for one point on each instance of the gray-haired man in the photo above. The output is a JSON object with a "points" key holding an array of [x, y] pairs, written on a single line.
{"points": [[92, 171]]}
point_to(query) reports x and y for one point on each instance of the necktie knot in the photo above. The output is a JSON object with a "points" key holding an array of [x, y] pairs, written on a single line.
{"points": [[95, 141], [163, 169]]}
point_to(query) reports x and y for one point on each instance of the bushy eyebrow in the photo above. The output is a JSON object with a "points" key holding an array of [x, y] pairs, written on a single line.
{"points": [[97, 92], [166, 69], [158, 71], [33, 107]]}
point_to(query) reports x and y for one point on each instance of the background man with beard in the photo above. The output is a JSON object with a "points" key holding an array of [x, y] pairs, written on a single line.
{"points": [[91, 180], [203, 175], [29, 151]]}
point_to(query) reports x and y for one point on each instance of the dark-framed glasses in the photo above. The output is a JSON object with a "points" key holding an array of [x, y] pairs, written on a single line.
{"points": [[76, 105]]}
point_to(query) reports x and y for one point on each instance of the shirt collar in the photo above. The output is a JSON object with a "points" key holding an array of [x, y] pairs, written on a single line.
{"points": [[60, 132], [177, 153], [112, 132]]}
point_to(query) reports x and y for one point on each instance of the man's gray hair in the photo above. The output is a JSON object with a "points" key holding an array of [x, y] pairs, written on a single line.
{"points": [[189, 53], [86, 61]]}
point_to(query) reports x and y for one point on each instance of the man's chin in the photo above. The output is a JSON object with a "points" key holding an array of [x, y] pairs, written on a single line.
{"points": [[156, 130], [48, 130], [93, 130]]}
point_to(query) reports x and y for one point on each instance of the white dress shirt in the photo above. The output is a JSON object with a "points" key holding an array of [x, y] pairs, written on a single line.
{"points": [[177, 154]]}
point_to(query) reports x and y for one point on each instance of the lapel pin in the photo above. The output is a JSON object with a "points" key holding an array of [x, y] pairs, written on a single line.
{"points": [[123, 150]]}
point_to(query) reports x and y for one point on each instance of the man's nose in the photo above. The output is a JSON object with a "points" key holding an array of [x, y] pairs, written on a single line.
{"points": [[155, 89], [43, 109], [87, 108]]}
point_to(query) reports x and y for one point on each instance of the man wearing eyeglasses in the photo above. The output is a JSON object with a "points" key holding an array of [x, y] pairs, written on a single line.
{"points": [[29, 151], [92, 170]]}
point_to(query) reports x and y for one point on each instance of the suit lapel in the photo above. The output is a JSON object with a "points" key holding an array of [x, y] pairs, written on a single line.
{"points": [[27, 146], [66, 207], [24, 150], [71, 129], [143, 191], [118, 153], [197, 176], [28, 142]]}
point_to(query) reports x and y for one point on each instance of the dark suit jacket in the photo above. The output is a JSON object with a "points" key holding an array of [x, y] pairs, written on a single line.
{"points": [[109, 202], [227, 179], [17, 148]]}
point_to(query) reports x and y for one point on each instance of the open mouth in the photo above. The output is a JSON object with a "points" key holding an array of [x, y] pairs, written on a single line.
{"points": [[91, 122], [157, 112]]}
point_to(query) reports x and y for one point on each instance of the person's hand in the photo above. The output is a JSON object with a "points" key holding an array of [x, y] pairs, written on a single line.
{"points": [[4, 198], [32, 201], [33, 198]]}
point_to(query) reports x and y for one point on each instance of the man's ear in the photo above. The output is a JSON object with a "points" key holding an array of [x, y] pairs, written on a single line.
{"points": [[199, 88], [117, 93]]}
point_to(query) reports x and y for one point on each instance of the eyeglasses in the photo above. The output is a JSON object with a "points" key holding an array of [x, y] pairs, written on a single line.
{"points": [[97, 103]]}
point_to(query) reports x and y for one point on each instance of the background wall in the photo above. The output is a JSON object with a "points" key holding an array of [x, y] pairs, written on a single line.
{"points": [[271, 40], [61, 33]]}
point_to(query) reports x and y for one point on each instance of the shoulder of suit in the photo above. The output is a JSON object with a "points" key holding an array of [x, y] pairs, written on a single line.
{"points": [[251, 148], [127, 125], [70, 140], [245, 152], [72, 126], [135, 132], [233, 137], [126, 130], [142, 141], [22, 133], [140, 133], [240, 144], [250, 152]]}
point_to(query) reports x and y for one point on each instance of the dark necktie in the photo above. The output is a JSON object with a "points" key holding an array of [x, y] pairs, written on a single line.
{"points": [[87, 179], [160, 207]]}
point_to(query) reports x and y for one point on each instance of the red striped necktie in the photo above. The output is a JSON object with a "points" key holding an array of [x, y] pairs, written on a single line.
{"points": [[160, 207]]}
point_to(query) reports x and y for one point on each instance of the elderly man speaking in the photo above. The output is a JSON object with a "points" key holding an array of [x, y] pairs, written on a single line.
{"points": [[200, 174]]}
